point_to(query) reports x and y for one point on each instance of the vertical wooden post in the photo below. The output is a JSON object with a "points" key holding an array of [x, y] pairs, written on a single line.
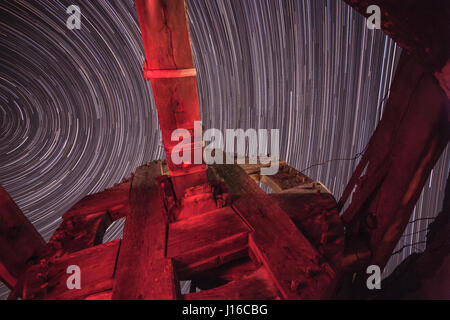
{"points": [[143, 271], [170, 68]]}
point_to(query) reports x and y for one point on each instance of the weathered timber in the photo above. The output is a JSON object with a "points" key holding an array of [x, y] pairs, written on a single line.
{"points": [[77, 233], [114, 201], [316, 215], [84, 225], [226, 272], [170, 67], [48, 279], [206, 241], [296, 267], [20, 243], [143, 271], [407, 143], [255, 286], [287, 178], [165, 34], [424, 275]]}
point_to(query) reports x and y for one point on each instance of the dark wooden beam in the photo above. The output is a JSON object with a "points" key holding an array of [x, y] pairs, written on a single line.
{"points": [[410, 138], [254, 286], [20, 243], [420, 27], [424, 275], [316, 215]]}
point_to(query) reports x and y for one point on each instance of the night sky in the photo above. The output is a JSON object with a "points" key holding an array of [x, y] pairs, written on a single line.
{"points": [[76, 115]]}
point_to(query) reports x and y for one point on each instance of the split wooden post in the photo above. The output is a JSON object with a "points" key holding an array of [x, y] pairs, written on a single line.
{"points": [[143, 271]]}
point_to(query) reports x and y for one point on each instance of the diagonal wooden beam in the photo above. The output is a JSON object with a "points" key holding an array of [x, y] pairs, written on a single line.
{"points": [[294, 265], [424, 275], [411, 136]]}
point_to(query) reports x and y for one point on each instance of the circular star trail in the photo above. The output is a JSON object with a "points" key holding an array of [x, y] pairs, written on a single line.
{"points": [[76, 115]]}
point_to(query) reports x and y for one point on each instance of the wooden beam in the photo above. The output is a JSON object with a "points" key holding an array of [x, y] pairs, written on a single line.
{"points": [[85, 224], [316, 215], [255, 286], [206, 241], [20, 243], [410, 138], [48, 279], [424, 275], [170, 67], [114, 200], [296, 267], [77, 233], [143, 270]]}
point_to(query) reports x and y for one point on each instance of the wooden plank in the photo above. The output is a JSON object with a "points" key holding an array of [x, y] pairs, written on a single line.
{"points": [[20, 243], [114, 200], [143, 271], [206, 241], [227, 272], [48, 279], [106, 295], [286, 178], [299, 271], [255, 286], [203, 230], [196, 262]]}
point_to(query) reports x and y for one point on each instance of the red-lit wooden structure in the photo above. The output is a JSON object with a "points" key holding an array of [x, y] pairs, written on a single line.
{"points": [[214, 225]]}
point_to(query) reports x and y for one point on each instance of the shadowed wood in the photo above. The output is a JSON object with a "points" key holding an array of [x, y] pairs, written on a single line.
{"points": [[420, 27], [316, 215], [402, 152], [20, 243], [143, 271], [254, 286]]}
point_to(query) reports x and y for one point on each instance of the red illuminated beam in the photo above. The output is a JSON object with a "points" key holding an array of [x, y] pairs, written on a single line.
{"points": [[169, 66]]}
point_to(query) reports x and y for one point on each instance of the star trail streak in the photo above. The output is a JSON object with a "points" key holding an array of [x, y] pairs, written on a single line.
{"points": [[76, 115]]}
